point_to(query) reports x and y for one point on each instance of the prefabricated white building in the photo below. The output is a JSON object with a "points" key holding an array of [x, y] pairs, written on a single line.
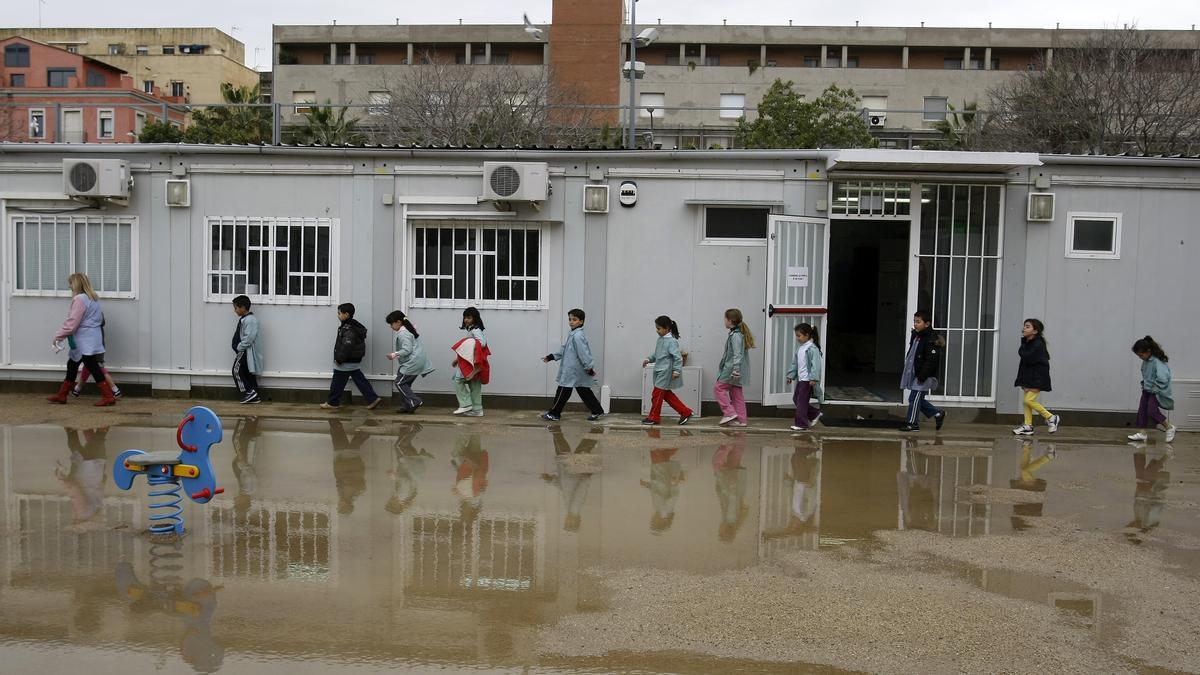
{"points": [[853, 241]]}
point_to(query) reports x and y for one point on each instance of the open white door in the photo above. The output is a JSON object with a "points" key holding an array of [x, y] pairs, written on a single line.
{"points": [[797, 291]]}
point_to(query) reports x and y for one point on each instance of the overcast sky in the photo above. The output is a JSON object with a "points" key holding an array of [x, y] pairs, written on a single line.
{"points": [[251, 21]]}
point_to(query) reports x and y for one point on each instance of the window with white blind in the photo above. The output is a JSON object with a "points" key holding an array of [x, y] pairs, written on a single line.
{"points": [[463, 263], [50, 247], [282, 261]]}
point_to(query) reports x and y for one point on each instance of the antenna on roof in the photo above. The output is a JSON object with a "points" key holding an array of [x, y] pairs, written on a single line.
{"points": [[39, 6]]}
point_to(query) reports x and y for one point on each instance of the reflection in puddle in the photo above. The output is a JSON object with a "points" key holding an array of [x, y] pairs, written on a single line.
{"points": [[400, 545]]}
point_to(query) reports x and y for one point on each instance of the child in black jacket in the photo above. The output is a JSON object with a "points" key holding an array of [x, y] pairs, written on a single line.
{"points": [[921, 366], [349, 349], [1033, 376]]}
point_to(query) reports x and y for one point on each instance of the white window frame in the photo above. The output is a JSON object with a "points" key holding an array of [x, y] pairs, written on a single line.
{"points": [[477, 255], [32, 113], [943, 114], [1112, 254], [732, 114], [380, 101], [142, 50], [702, 226], [182, 88], [270, 248], [101, 115], [303, 100], [139, 122], [659, 108], [63, 270]]}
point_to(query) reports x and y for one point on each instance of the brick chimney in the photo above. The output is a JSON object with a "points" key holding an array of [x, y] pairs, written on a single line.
{"points": [[585, 51]]}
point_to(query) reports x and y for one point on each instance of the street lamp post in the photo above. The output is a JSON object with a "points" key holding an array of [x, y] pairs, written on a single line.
{"points": [[632, 142]]}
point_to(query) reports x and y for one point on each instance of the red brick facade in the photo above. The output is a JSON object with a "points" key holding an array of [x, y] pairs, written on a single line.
{"points": [[585, 51]]}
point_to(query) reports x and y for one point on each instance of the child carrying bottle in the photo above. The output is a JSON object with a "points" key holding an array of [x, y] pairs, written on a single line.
{"points": [[1156, 389], [805, 371], [668, 372], [734, 370]]}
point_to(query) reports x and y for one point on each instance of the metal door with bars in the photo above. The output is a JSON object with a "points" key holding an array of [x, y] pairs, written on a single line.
{"points": [[797, 291]]}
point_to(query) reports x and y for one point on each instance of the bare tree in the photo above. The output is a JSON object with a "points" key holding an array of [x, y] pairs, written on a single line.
{"points": [[1121, 90], [505, 106]]}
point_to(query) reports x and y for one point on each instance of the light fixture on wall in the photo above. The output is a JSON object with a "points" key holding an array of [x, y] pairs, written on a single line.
{"points": [[1041, 207], [595, 199], [179, 192]]}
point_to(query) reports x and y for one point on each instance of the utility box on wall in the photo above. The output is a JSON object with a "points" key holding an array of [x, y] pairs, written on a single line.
{"points": [[1187, 404], [689, 393]]}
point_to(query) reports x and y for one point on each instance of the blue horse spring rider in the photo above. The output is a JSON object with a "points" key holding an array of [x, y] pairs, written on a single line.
{"points": [[167, 472]]}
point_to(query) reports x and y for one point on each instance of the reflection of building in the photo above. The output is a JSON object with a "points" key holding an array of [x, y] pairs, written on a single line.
{"points": [[186, 64], [496, 552], [274, 541]]}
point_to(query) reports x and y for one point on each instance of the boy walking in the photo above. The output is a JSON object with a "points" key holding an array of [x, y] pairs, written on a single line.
{"points": [[349, 348], [576, 371], [248, 359], [920, 371]]}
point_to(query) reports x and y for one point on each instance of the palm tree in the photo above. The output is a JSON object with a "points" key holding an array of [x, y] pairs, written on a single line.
{"points": [[323, 126], [961, 130]]}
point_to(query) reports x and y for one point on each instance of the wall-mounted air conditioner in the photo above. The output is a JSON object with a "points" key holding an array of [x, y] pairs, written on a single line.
{"points": [[877, 119], [108, 178], [516, 181]]}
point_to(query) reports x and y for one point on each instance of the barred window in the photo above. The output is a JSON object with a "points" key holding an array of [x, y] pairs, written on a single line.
{"points": [[461, 263], [50, 247], [273, 260]]}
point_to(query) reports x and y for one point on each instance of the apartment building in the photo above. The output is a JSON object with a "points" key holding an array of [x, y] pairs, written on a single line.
{"points": [[48, 94], [188, 64], [699, 79]]}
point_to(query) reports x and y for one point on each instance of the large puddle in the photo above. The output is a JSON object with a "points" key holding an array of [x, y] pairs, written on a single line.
{"points": [[343, 545]]}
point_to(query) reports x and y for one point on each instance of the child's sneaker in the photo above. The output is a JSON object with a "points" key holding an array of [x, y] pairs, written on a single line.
{"points": [[939, 419], [117, 392], [649, 422], [548, 416], [1024, 430], [329, 406], [373, 404], [738, 423], [1139, 436], [249, 396], [76, 390], [727, 419], [462, 410], [816, 419], [684, 420], [473, 413], [594, 417], [796, 428], [1171, 433], [1053, 423]]}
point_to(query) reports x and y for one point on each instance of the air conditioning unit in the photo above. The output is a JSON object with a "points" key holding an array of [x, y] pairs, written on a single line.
{"points": [[877, 119], [516, 181], [107, 178]]}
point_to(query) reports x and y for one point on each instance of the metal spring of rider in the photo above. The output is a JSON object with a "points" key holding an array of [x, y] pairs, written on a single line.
{"points": [[169, 516], [166, 563]]}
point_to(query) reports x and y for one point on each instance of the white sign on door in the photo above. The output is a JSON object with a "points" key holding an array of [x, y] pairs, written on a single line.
{"points": [[797, 277]]}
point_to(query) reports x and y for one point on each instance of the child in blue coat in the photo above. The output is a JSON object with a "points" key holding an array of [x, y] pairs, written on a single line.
{"points": [[576, 370], [1156, 389], [668, 372], [805, 371]]}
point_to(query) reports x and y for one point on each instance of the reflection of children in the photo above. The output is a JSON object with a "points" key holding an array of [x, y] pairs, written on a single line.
{"points": [[470, 462], [84, 478], [731, 487], [806, 494], [349, 471], [668, 372], [409, 466], [1156, 389], [666, 474], [1150, 493], [573, 481], [576, 370], [915, 488], [805, 371], [244, 453], [1029, 482]]}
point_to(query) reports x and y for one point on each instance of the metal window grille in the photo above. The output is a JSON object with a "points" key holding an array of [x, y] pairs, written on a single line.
{"points": [[871, 199], [49, 248], [959, 259], [272, 541], [949, 509], [458, 263], [274, 260]]}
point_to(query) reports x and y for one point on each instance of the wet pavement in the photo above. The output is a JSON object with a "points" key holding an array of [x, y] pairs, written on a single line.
{"points": [[365, 544]]}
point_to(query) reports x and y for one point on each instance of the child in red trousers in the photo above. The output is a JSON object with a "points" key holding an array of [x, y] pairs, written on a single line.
{"points": [[668, 372]]}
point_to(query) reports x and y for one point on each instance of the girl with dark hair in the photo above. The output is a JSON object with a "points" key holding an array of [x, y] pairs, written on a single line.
{"points": [[410, 358], [733, 371], [1033, 376], [668, 372], [1156, 389], [471, 369], [805, 371]]}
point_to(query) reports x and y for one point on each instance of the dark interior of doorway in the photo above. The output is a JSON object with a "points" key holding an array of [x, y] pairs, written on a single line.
{"points": [[868, 263]]}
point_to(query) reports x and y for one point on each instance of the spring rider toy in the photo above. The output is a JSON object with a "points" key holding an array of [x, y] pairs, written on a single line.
{"points": [[167, 472]]}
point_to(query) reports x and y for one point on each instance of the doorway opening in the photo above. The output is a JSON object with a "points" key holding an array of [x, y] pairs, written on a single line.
{"points": [[867, 324]]}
